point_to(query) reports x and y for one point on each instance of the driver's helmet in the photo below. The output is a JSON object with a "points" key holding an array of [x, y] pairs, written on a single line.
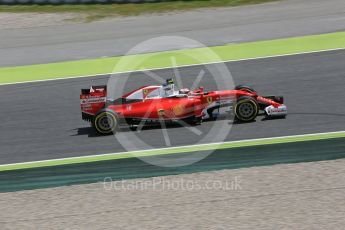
{"points": [[168, 87]]}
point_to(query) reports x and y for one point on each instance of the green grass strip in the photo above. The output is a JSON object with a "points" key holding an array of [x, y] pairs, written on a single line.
{"points": [[230, 52], [175, 150]]}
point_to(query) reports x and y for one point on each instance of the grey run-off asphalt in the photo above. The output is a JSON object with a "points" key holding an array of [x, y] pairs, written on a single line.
{"points": [[52, 43]]}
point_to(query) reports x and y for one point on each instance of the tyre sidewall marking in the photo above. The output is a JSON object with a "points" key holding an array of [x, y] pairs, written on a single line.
{"points": [[250, 102], [105, 114]]}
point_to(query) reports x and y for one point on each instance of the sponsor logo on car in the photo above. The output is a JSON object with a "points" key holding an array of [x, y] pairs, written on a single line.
{"points": [[145, 92], [92, 100], [281, 110], [178, 110]]}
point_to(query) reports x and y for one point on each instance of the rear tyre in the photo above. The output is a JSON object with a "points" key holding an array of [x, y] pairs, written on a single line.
{"points": [[245, 88], [246, 109], [106, 122]]}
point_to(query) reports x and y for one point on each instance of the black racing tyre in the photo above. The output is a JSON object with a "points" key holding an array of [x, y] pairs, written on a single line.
{"points": [[245, 88], [246, 109], [105, 122]]}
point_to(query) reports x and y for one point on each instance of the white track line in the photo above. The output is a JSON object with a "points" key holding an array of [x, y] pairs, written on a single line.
{"points": [[162, 68], [177, 147]]}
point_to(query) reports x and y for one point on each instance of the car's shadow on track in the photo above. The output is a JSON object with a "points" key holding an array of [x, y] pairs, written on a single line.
{"points": [[91, 132], [303, 114], [320, 114], [272, 118]]}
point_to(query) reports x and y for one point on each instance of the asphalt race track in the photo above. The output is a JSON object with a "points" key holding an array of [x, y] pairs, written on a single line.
{"points": [[42, 120]]}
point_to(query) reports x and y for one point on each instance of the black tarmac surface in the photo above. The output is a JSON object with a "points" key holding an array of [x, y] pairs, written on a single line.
{"points": [[41, 121]]}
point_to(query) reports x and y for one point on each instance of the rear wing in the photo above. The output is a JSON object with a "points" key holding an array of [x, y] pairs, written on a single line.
{"points": [[92, 100]]}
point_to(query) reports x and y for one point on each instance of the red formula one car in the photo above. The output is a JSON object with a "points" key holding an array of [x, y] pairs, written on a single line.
{"points": [[164, 103]]}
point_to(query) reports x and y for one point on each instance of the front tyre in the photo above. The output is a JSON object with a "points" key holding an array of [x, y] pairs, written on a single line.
{"points": [[106, 122], [246, 109], [245, 88]]}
